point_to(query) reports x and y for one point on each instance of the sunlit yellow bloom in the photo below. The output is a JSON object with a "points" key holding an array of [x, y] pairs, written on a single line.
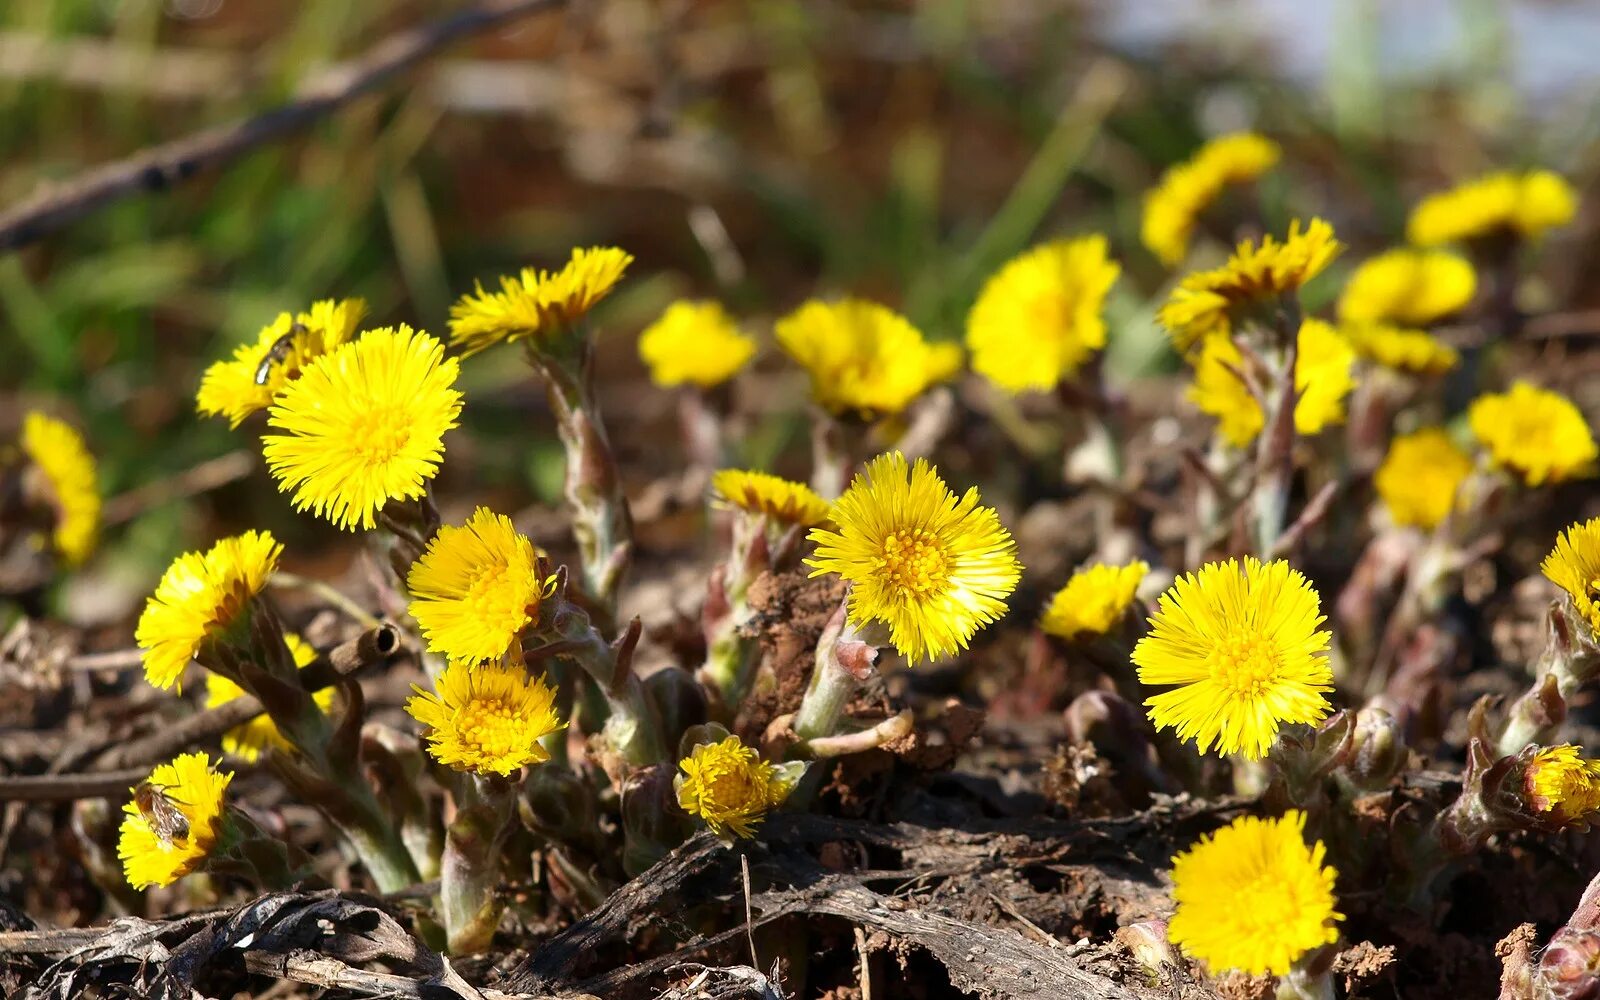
{"points": [[365, 425], [1420, 477], [195, 790], [1574, 566], [1094, 600], [475, 588], [1416, 351], [1523, 203], [1174, 205], [1563, 785], [1323, 375], [1252, 896], [537, 303], [246, 742], [780, 499], [1256, 278], [488, 718], [862, 357], [1242, 644], [695, 342], [57, 450], [1537, 433], [729, 786], [931, 567], [241, 386], [1407, 287], [1039, 317], [200, 596]]}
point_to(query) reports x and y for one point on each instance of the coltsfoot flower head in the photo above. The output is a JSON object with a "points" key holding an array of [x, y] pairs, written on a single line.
{"points": [[246, 383], [1421, 476], [173, 822], [487, 719], [863, 358], [475, 588], [932, 567], [1408, 287], [1526, 204], [1538, 434], [1094, 600], [247, 742], [1243, 647], [200, 596], [695, 342], [1323, 376], [1415, 351], [1574, 566], [57, 450], [1210, 303], [729, 786], [1563, 786], [779, 499], [364, 425], [535, 303], [1174, 205], [1039, 317], [1253, 896]]}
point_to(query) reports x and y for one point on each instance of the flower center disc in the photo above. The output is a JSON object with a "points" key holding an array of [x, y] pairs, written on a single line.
{"points": [[492, 727], [915, 561], [378, 435], [1246, 664]]}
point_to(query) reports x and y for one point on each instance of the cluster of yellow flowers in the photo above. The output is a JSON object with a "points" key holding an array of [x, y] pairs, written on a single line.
{"points": [[1173, 207]]}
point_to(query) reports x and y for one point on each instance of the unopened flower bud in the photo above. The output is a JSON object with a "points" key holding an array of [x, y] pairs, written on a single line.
{"points": [[1147, 942], [1569, 969], [1378, 750]]}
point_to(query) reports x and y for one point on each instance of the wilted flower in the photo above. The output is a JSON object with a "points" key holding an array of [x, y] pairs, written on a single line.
{"points": [[241, 386], [57, 450], [246, 742], [1407, 287], [1322, 377], [1537, 433], [1562, 785], [1420, 477], [535, 303], [1574, 566], [729, 786], [862, 357], [488, 719], [1173, 206], [475, 588], [1094, 600], [695, 342], [1416, 351], [173, 822], [1523, 203], [782, 500]]}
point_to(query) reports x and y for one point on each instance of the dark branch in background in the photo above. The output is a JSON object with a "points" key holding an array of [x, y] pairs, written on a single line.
{"points": [[163, 166]]}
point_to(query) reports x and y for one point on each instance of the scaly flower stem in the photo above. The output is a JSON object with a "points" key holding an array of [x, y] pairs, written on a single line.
{"points": [[1275, 446], [1566, 663], [843, 660], [830, 456], [632, 726], [471, 868], [730, 657]]}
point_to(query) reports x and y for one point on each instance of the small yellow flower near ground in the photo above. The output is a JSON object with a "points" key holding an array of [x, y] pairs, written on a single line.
{"points": [[1415, 351], [364, 425], [1210, 303], [1562, 784], [1421, 476], [1243, 647], [239, 387], [1525, 203], [1574, 566], [1407, 287], [933, 568], [58, 451], [475, 588], [782, 500], [1253, 896], [1174, 205], [1039, 317], [1323, 376], [247, 742], [153, 852], [695, 342], [863, 358], [488, 719], [1537, 433], [729, 787], [1094, 600], [537, 303], [200, 596]]}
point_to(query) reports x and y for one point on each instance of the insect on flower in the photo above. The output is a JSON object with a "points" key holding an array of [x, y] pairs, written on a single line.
{"points": [[161, 812], [279, 352]]}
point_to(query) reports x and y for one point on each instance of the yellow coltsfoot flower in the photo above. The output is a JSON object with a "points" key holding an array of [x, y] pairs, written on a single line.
{"points": [[247, 382], [1323, 376], [174, 821], [1243, 647], [199, 597], [1574, 566], [863, 358], [537, 304], [247, 742], [1538, 434], [1094, 600], [488, 719], [1173, 206], [932, 567], [729, 787], [1039, 317], [1562, 785], [475, 588], [1253, 896], [1420, 478], [782, 500], [58, 451], [1526, 204], [1415, 351], [364, 425], [695, 343], [1407, 287]]}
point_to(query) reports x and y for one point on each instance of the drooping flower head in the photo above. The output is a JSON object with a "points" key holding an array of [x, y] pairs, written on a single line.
{"points": [[1253, 896], [1094, 600], [1525, 204], [1241, 643], [487, 719], [729, 786], [931, 567], [1174, 205], [1421, 476], [1323, 376], [1574, 566], [863, 358], [1210, 303], [1564, 786], [782, 500], [239, 387], [67, 472], [162, 841], [1538, 434], [1416, 351], [202, 596], [1406, 287], [364, 425], [1039, 317], [475, 588], [535, 303], [695, 343], [247, 742]]}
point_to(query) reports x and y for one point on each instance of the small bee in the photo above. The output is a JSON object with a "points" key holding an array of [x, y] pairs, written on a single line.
{"points": [[278, 353], [166, 820]]}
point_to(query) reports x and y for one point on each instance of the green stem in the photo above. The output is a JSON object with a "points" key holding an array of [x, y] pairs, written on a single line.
{"points": [[832, 685], [467, 900]]}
